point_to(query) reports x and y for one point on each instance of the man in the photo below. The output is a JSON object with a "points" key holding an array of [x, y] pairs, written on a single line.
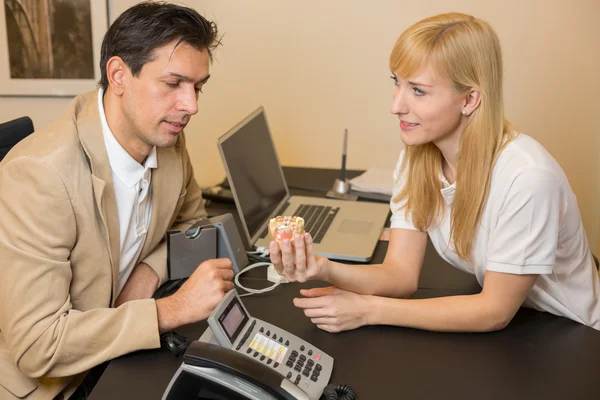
{"points": [[85, 206]]}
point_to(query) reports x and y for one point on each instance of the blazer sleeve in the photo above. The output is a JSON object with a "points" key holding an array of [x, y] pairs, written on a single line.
{"points": [[46, 336], [191, 210]]}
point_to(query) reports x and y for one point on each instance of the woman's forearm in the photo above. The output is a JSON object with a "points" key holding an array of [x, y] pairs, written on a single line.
{"points": [[470, 313], [374, 279]]}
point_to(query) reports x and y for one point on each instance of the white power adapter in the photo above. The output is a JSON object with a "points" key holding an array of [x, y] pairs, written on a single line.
{"points": [[274, 277]]}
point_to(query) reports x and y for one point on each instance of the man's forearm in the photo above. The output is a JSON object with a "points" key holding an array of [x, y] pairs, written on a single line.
{"points": [[142, 284]]}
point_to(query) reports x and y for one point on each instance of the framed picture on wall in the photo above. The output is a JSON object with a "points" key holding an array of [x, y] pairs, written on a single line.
{"points": [[50, 47]]}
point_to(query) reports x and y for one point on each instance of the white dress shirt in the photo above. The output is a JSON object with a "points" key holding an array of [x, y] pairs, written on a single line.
{"points": [[132, 182]]}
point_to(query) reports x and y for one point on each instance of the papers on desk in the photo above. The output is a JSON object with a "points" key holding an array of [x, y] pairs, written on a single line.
{"points": [[374, 180]]}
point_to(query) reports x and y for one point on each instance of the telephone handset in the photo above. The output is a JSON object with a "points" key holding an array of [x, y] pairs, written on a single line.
{"points": [[241, 357], [233, 368]]}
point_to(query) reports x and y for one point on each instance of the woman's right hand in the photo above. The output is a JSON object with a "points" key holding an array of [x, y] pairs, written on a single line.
{"points": [[298, 263]]}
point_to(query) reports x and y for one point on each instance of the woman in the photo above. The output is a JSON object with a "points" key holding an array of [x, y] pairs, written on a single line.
{"points": [[492, 200]]}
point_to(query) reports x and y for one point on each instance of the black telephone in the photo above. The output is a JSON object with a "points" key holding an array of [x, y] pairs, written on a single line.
{"points": [[244, 358], [208, 372]]}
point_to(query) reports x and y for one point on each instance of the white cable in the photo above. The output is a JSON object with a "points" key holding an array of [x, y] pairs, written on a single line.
{"points": [[260, 251], [256, 291]]}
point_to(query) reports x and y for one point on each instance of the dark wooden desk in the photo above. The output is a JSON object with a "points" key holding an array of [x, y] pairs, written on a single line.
{"points": [[538, 356]]}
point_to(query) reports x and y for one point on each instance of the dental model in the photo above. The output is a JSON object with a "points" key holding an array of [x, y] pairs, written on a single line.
{"points": [[285, 227]]}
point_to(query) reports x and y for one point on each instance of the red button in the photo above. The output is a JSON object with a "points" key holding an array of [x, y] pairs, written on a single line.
{"points": [[318, 357]]}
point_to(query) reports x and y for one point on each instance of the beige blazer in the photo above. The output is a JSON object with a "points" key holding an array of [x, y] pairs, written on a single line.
{"points": [[59, 254]]}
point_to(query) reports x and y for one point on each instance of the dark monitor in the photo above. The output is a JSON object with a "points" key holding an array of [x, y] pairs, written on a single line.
{"points": [[254, 172]]}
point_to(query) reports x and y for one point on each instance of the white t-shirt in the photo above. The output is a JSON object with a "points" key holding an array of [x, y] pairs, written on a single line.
{"points": [[530, 225], [133, 191]]}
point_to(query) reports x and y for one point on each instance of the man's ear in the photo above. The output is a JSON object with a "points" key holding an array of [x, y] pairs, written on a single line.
{"points": [[117, 74], [472, 101]]}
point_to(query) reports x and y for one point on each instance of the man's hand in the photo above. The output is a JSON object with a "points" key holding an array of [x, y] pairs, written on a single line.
{"points": [[198, 296]]}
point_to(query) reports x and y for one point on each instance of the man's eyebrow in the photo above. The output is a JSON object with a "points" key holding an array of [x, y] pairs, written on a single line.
{"points": [[188, 79], [419, 84]]}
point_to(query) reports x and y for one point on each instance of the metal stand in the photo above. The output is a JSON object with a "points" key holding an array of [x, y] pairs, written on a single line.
{"points": [[340, 191]]}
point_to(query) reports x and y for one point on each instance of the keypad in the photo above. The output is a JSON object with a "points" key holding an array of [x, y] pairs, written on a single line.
{"points": [[303, 361]]}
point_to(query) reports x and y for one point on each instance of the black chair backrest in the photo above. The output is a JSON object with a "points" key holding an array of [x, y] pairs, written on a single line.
{"points": [[12, 132]]}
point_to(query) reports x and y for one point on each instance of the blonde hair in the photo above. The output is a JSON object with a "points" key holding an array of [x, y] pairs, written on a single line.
{"points": [[466, 50]]}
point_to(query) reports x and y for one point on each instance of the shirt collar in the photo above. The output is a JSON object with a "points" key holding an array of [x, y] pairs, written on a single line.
{"points": [[447, 189], [125, 167]]}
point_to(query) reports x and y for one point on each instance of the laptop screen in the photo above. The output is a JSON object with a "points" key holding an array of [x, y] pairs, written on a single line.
{"points": [[254, 172]]}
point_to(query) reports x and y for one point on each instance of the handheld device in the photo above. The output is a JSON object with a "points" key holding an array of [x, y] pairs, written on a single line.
{"points": [[215, 237], [247, 358]]}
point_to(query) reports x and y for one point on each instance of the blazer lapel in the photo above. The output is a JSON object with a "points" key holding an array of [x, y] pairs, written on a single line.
{"points": [[92, 141]]}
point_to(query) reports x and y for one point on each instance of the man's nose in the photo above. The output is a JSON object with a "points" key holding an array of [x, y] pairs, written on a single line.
{"points": [[188, 102]]}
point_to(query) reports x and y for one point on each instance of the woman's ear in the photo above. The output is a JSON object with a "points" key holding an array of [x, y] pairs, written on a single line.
{"points": [[472, 101], [116, 73]]}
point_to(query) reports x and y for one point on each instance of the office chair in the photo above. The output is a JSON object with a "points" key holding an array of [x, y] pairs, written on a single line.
{"points": [[12, 132]]}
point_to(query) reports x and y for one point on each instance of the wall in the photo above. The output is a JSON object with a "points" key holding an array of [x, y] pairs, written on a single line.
{"points": [[321, 66]]}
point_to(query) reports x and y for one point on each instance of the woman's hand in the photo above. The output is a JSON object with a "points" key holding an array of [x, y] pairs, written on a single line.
{"points": [[298, 262], [333, 309]]}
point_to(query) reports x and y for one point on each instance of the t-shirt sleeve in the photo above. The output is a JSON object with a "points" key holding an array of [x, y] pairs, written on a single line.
{"points": [[400, 218], [525, 236]]}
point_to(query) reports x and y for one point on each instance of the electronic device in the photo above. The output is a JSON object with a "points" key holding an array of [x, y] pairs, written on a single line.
{"points": [[341, 230], [242, 357], [215, 237]]}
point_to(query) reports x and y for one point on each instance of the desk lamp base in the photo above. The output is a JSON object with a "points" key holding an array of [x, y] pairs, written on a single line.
{"points": [[340, 191]]}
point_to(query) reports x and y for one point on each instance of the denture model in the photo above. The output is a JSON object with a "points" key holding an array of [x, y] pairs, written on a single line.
{"points": [[285, 227]]}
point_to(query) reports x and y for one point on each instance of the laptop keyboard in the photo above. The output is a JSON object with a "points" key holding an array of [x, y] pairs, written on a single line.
{"points": [[317, 220]]}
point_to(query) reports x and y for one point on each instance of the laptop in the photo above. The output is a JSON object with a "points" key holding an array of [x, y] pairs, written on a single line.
{"points": [[341, 230]]}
